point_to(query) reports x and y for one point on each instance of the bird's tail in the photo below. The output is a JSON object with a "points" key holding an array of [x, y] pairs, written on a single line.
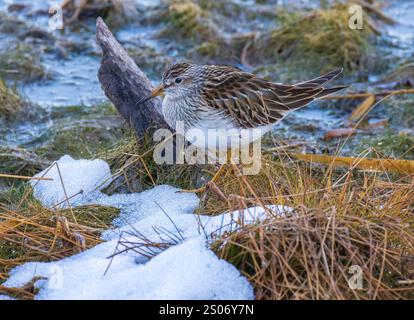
{"points": [[321, 80], [329, 91], [287, 98]]}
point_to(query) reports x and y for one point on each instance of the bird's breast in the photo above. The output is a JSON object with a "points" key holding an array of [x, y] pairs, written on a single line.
{"points": [[205, 127], [178, 109]]}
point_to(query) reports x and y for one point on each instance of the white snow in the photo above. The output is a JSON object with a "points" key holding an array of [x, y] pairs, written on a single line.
{"points": [[185, 271], [188, 269], [86, 176]]}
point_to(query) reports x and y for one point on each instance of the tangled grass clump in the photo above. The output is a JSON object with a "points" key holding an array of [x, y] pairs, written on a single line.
{"points": [[390, 145], [135, 169], [314, 256], [31, 232], [185, 16], [186, 20], [10, 102], [322, 35], [340, 219], [84, 140]]}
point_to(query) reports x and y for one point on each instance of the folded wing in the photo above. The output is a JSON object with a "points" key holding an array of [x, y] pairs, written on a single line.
{"points": [[251, 101]]}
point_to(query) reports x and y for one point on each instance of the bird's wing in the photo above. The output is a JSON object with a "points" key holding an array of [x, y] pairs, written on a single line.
{"points": [[251, 101]]}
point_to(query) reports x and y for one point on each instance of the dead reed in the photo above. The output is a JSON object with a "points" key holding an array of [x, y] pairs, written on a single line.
{"points": [[347, 225], [30, 232]]}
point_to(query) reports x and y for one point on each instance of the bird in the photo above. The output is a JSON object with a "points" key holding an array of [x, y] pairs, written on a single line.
{"points": [[221, 97]]}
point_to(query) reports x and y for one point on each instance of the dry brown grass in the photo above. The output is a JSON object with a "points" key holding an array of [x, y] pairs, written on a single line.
{"points": [[323, 35], [311, 256], [30, 232], [10, 102], [341, 218]]}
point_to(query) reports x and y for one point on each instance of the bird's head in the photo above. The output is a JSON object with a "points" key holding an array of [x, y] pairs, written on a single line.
{"points": [[176, 80]]}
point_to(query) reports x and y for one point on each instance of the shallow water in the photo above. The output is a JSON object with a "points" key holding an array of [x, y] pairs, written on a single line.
{"points": [[74, 79], [74, 76], [402, 33], [74, 83]]}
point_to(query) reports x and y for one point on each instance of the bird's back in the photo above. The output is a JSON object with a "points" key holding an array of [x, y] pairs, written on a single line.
{"points": [[250, 101], [226, 98]]}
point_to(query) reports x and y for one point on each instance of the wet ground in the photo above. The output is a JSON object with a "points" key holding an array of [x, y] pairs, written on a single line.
{"points": [[70, 60]]}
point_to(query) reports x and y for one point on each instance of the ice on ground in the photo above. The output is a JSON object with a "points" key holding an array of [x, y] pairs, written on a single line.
{"points": [[74, 179], [188, 269], [136, 206], [190, 225]]}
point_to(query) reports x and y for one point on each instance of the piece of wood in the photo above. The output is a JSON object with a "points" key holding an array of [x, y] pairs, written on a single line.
{"points": [[339, 133], [362, 109], [385, 165], [124, 84], [368, 94], [12, 176]]}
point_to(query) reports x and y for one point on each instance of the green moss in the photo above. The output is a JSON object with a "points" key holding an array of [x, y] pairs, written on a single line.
{"points": [[10, 102], [19, 161], [12, 196], [81, 131], [390, 145], [401, 112], [138, 171], [208, 49], [19, 61], [83, 112], [81, 141], [93, 216], [321, 36]]}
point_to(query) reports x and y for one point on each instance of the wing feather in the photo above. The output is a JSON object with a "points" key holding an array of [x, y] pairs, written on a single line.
{"points": [[251, 101]]}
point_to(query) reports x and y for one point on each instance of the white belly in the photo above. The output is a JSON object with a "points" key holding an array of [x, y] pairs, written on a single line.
{"points": [[224, 136], [213, 130]]}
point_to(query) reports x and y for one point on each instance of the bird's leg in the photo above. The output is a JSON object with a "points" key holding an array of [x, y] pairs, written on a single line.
{"points": [[222, 170]]}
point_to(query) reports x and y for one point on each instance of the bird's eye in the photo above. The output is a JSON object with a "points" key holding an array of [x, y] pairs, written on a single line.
{"points": [[178, 80]]}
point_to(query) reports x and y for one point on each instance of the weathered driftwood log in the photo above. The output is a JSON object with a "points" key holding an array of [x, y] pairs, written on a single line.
{"points": [[124, 84]]}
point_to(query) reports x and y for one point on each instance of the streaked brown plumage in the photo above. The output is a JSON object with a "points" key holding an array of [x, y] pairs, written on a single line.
{"points": [[253, 102], [210, 98], [213, 96]]}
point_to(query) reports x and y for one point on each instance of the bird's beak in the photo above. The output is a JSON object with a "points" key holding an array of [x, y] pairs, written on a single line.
{"points": [[159, 90]]}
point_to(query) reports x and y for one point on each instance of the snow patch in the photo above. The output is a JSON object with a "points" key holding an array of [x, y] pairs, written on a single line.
{"points": [[186, 270], [80, 179]]}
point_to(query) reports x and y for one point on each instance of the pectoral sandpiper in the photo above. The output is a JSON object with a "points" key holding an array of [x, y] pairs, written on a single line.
{"points": [[213, 97]]}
